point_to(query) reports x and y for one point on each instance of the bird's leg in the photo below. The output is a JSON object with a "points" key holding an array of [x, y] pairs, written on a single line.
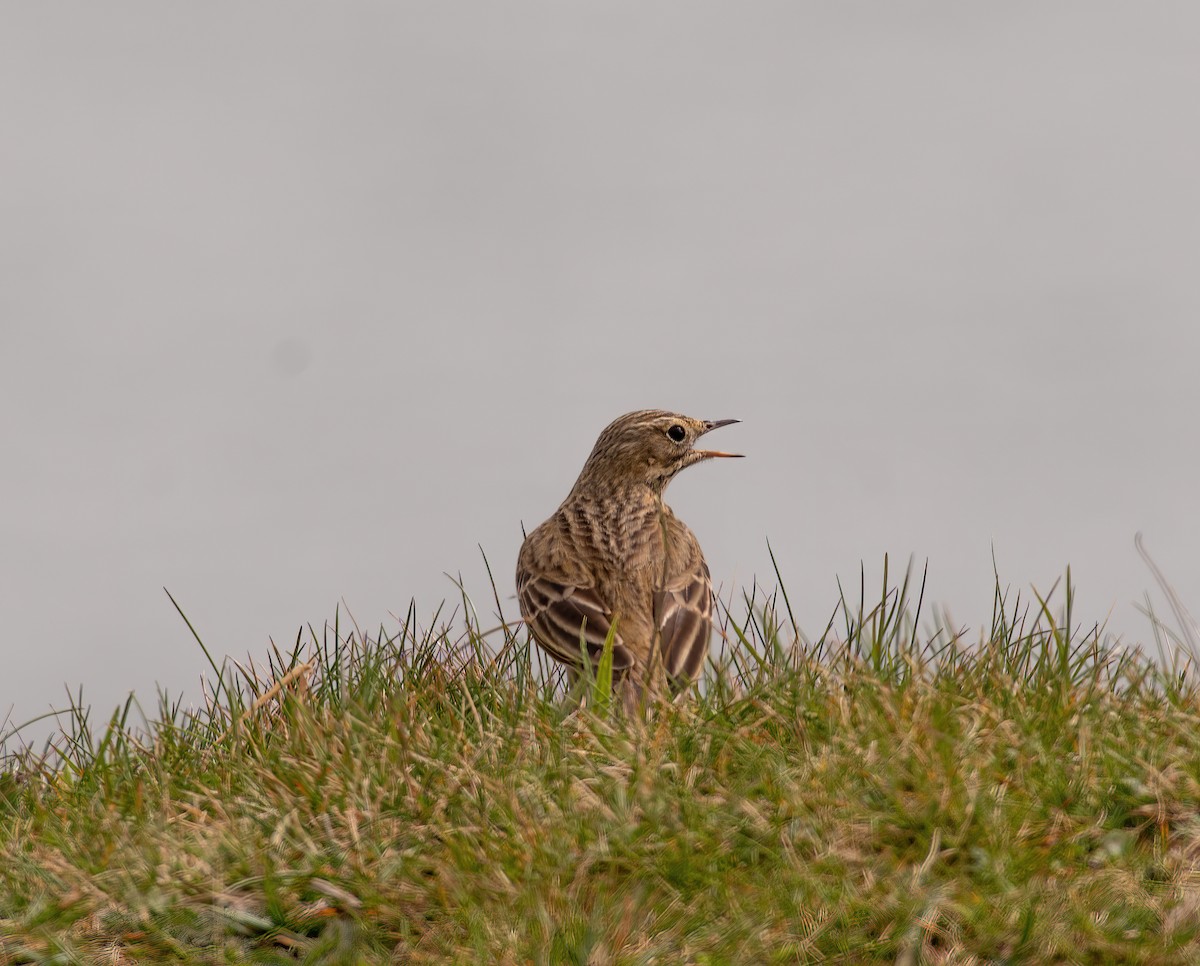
{"points": [[629, 690], [577, 689]]}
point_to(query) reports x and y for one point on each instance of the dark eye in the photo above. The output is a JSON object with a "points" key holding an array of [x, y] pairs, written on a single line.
{"points": [[677, 433]]}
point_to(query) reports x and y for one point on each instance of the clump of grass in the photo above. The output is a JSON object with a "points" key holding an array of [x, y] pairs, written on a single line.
{"points": [[888, 792]]}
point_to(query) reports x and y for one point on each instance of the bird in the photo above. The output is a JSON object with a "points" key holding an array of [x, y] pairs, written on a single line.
{"points": [[615, 556]]}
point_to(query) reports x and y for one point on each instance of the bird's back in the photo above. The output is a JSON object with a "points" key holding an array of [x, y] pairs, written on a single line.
{"points": [[634, 558]]}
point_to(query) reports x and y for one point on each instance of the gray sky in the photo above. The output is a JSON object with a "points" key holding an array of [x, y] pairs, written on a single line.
{"points": [[302, 302]]}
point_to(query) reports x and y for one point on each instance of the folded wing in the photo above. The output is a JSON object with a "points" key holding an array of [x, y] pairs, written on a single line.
{"points": [[683, 612], [558, 611]]}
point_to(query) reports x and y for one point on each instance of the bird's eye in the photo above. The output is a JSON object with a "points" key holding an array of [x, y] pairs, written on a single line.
{"points": [[677, 433]]}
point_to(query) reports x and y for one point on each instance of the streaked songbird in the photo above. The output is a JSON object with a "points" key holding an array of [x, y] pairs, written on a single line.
{"points": [[614, 554]]}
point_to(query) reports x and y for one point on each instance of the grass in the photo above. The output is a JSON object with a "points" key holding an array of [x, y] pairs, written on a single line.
{"points": [[891, 792]]}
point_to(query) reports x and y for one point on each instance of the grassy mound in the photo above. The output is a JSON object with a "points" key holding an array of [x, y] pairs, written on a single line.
{"points": [[879, 795]]}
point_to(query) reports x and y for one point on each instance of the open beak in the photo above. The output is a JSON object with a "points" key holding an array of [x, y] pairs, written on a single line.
{"points": [[709, 426]]}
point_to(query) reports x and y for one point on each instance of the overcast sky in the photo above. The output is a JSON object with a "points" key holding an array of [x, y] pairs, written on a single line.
{"points": [[300, 303]]}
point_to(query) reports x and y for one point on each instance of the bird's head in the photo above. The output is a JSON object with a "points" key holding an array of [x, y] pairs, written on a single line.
{"points": [[648, 447]]}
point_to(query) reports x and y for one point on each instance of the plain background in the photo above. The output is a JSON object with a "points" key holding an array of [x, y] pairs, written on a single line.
{"points": [[303, 303]]}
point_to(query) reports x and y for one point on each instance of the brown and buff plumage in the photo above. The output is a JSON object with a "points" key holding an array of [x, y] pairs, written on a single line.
{"points": [[614, 552]]}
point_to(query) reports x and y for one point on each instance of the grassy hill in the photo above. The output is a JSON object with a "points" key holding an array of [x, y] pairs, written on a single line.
{"points": [[883, 794]]}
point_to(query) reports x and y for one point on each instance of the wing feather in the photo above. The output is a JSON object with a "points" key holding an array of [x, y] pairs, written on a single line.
{"points": [[683, 610], [558, 613]]}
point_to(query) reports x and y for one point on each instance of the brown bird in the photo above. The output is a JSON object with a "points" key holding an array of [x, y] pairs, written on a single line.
{"points": [[614, 553]]}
